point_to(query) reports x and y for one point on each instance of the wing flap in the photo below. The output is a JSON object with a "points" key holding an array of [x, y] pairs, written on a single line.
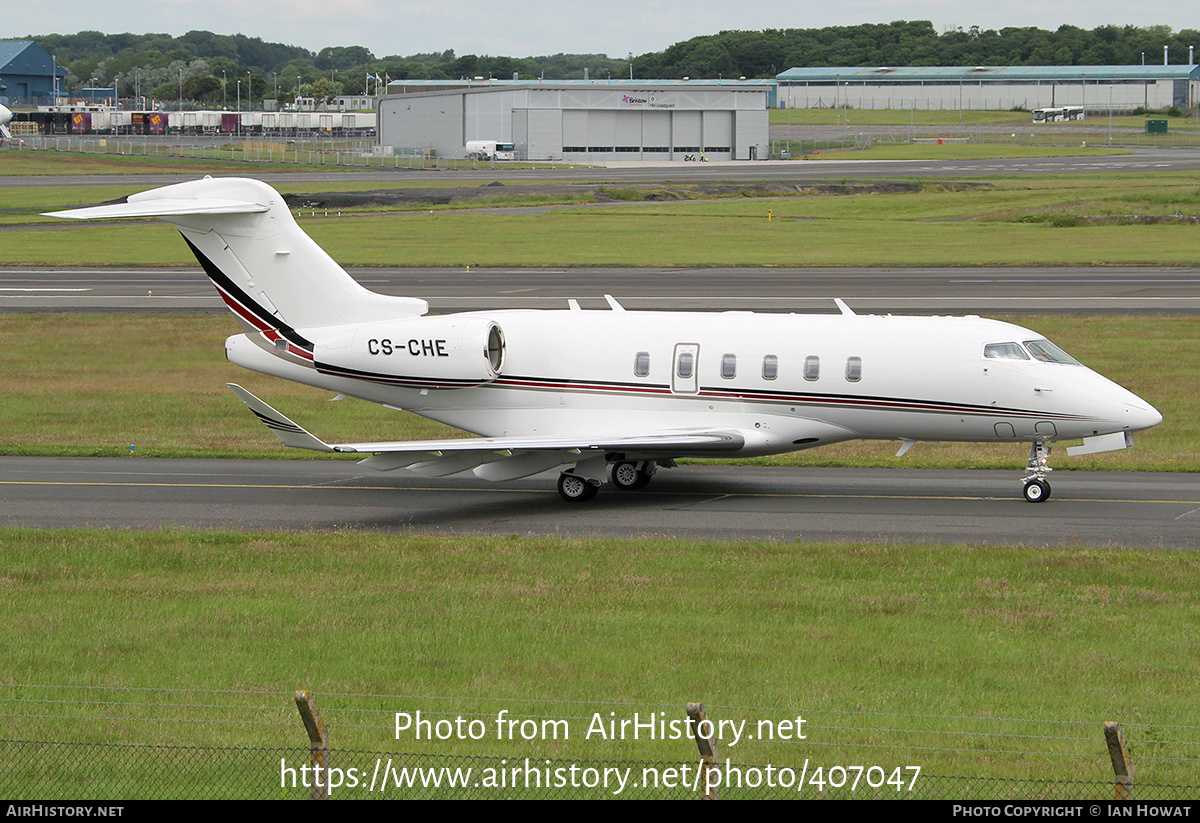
{"points": [[682, 441]]}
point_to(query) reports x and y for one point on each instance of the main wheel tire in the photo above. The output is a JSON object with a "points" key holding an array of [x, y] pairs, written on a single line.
{"points": [[1036, 491], [575, 489], [626, 476]]}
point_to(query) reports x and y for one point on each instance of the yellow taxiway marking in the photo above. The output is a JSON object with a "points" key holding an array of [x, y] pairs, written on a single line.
{"points": [[710, 494]]}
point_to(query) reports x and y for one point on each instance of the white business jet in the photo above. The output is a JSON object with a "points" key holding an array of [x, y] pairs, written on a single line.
{"points": [[588, 390]]}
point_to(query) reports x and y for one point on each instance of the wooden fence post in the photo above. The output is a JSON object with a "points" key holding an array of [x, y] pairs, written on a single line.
{"points": [[708, 750], [1121, 764], [318, 737]]}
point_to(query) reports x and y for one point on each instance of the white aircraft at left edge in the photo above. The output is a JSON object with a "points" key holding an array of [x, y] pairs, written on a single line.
{"points": [[630, 390], [6, 117]]}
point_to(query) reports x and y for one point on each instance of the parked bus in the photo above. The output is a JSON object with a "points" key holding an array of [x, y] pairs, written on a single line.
{"points": [[1056, 114]]}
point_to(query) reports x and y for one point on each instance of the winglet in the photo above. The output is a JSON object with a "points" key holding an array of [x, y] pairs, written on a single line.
{"points": [[288, 432], [842, 307]]}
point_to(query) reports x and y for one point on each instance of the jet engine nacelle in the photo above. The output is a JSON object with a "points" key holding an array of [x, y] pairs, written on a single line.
{"points": [[453, 351]]}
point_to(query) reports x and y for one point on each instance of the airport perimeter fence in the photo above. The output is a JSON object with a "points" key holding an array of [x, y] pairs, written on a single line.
{"points": [[356, 155], [281, 152], [105, 743], [45, 770]]}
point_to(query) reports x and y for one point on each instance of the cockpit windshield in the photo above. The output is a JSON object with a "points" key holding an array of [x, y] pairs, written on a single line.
{"points": [[1042, 350], [1047, 352], [1004, 351]]}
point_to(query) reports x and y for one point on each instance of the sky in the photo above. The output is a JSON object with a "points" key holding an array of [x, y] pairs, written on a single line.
{"points": [[538, 27]]}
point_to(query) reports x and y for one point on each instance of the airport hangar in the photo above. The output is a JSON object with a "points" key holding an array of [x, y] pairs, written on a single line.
{"points": [[999, 88], [581, 120]]}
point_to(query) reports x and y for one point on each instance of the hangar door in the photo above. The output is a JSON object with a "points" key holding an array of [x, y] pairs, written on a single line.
{"points": [[718, 135], [656, 132], [645, 133], [687, 131], [538, 133]]}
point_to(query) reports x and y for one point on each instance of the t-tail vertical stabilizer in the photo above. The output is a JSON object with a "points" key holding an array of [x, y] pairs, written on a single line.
{"points": [[270, 273]]}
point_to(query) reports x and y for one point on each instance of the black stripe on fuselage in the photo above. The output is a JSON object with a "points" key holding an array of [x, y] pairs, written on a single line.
{"points": [[266, 318]]}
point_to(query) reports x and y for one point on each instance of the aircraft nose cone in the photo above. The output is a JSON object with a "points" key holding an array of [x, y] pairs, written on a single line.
{"points": [[1141, 416]]}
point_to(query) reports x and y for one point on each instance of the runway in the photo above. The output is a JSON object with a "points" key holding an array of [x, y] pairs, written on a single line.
{"points": [[985, 290], [1090, 509], [1138, 161]]}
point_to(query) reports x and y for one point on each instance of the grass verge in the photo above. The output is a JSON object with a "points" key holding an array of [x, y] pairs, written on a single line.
{"points": [[1043, 220], [859, 640]]}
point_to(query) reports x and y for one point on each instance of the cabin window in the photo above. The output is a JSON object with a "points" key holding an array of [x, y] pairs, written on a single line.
{"points": [[729, 366], [1047, 352], [812, 367], [770, 367], [686, 364], [641, 364], [854, 369], [1004, 351]]}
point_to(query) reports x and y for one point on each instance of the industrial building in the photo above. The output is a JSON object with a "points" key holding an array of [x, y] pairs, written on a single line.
{"points": [[581, 120], [1096, 88], [27, 74]]}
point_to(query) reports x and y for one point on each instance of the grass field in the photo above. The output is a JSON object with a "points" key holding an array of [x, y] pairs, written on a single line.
{"points": [[49, 163], [1041, 220], [859, 640], [957, 151]]}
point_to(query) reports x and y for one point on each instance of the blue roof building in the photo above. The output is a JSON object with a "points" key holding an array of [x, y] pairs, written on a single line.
{"points": [[27, 73]]}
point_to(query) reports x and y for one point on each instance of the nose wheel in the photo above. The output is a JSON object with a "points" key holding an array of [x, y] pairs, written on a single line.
{"points": [[1037, 488], [1036, 491]]}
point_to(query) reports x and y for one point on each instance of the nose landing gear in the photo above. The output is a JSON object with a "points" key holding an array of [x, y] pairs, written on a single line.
{"points": [[1037, 488]]}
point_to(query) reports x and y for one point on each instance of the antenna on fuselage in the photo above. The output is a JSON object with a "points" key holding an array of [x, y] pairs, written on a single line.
{"points": [[842, 307], [613, 304]]}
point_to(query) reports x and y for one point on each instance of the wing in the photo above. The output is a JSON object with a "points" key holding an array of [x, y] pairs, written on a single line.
{"points": [[494, 458]]}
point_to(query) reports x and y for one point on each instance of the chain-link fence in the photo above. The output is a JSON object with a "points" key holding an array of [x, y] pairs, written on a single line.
{"points": [[40, 770], [122, 743]]}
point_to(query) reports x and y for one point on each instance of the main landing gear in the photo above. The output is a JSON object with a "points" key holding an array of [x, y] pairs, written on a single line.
{"points": [[1037, 488], [627, 475], [575, 489]]}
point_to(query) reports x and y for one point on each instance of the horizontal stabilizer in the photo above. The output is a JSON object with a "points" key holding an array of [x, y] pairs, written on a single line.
{"points": [[288, 432], [161, 208]]}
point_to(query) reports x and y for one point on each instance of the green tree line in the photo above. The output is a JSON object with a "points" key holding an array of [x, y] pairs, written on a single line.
{"points": [[217, 68], [911, 43]]}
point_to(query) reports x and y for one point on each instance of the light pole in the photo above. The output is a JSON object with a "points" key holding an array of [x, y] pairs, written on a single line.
{"points": [[181, 89], [224, 96]]}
